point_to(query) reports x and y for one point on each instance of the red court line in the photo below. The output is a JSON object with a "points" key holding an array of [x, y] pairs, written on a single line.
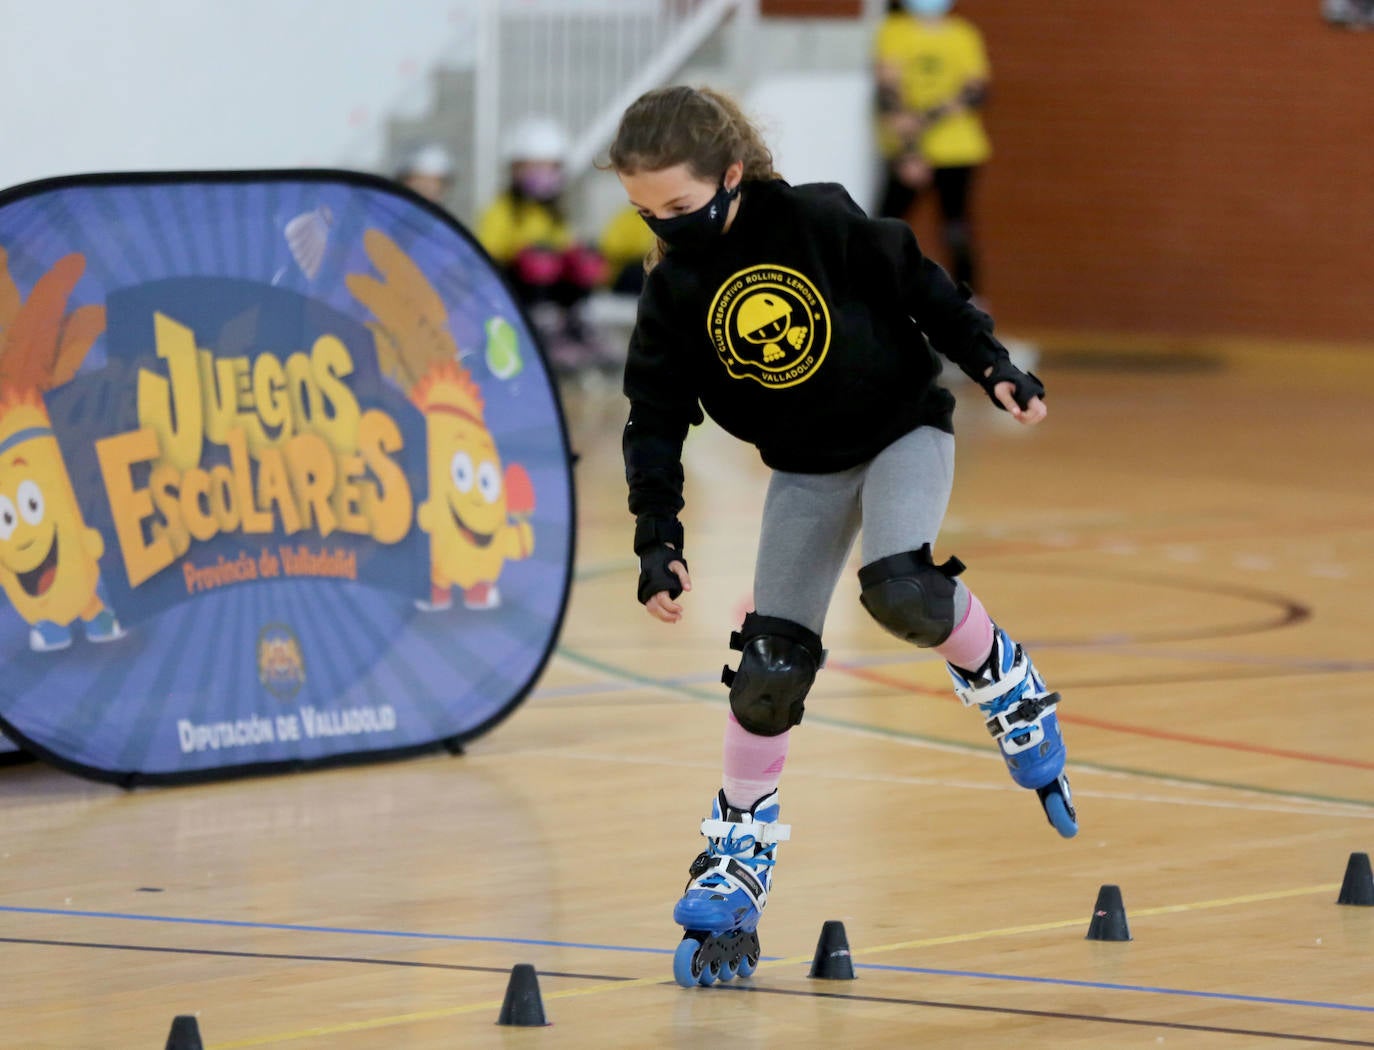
{"points": [[1117, 727], [1228, 745], [882, 679]]}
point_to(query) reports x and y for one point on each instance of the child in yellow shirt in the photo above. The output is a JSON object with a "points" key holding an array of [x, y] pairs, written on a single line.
{"points": [[932, 73], [526, 232], [625, 241]]}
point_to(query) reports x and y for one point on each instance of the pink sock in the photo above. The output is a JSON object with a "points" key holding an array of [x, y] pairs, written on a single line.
{"points": [[968, 644], [753, 764]]}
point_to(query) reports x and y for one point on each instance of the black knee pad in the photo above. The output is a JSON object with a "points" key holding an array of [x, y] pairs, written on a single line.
{"points": [[779, 662], [911, 596]]}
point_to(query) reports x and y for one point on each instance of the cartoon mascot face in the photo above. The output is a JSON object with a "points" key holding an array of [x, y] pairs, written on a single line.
{"points": [[49, 557], [477, 515], [466, 513]]}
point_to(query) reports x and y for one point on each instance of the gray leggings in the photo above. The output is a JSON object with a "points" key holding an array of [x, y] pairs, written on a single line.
{"points": [[810, 520]]}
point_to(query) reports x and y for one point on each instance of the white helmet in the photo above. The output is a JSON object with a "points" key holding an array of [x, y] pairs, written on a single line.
{"points": [[429, 159], [537, 138]]}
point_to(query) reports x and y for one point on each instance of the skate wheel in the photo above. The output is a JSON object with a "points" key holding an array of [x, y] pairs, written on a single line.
{"points": [[687, 969], [747, 966], [709, 975], [728, 970], [1060, 818]]}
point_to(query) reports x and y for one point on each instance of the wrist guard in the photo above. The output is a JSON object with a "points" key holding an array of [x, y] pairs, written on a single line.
{"points": [[1025, 384], [658, 543]]}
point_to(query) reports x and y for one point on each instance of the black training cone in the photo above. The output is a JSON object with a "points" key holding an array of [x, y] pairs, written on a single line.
{"points": [[833, 961], [1358, 886], [185, 1034], [523, 1006], [1109, 917]]}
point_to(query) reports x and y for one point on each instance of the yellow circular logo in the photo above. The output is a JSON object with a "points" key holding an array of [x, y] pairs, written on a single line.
{"points": [[769, 324]]}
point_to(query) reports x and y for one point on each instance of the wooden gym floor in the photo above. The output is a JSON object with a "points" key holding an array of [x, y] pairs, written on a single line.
{"points": [[1188, 544]]}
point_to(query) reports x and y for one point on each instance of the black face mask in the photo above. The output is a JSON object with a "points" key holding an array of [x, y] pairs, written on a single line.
{"points": [[696, 229]]}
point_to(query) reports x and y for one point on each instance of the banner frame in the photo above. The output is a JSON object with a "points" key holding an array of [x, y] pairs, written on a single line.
{"points": [[454, 744]]}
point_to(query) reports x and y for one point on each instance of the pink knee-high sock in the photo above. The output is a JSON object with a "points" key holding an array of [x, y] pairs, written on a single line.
{"points": [[753, 764], [968, 644]]}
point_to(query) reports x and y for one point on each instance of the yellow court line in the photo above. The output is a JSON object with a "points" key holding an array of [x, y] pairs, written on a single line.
{"points": [[493, 1005], [613, 986], [1008, 931]]}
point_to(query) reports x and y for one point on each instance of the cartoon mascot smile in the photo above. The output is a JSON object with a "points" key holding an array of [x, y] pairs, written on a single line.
{"points": [[49, 556]]}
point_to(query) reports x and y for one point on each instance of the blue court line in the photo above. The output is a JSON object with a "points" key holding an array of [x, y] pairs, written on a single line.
{"points": [[297, 928], [1233, 997], [471, 939]]}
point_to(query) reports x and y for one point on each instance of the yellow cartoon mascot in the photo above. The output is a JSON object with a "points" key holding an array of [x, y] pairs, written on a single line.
{"points": [[49, 556], [477, 514]]}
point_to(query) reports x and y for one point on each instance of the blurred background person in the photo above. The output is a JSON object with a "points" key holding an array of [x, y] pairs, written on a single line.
{"points": [[428, 171], [625, 241], [526, 231], [932, 75]]}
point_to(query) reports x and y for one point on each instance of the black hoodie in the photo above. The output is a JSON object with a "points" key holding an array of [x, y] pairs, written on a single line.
{"points": [[800, 331]]}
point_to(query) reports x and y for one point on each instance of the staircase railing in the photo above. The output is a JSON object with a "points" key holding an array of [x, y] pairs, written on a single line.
{"points": [[581, 62]]}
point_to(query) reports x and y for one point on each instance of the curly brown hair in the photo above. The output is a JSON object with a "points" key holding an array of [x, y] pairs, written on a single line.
{"points": [[704, 129]]}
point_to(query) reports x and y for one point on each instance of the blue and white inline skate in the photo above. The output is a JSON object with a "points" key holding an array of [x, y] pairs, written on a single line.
{"points": [[1020, 716], [727, 888]]}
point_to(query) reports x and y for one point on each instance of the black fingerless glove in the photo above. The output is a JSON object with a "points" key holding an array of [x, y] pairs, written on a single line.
{"points": [[658, 543], [1026, 385]]}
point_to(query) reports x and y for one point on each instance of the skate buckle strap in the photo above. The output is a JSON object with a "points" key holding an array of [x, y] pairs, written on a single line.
{"points": [[1023, 714], [726, 875], [972, 696], [762, 834], [745, 877]]}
